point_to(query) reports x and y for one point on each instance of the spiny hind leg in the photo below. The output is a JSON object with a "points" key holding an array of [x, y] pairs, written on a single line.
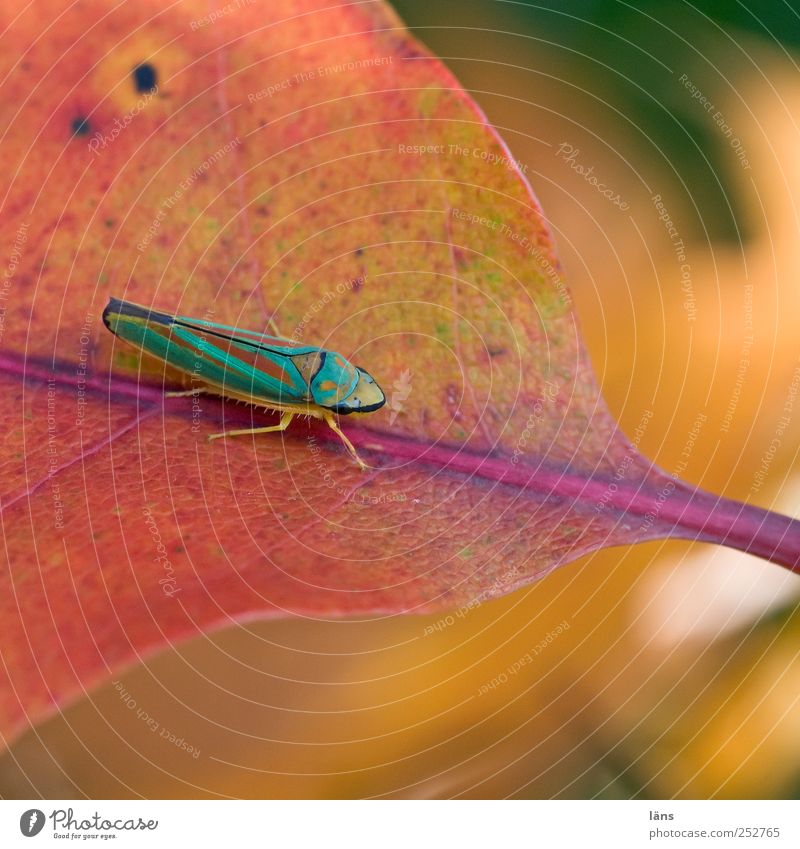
{"points": [[184, 393], [330, 420], [282, 425]]}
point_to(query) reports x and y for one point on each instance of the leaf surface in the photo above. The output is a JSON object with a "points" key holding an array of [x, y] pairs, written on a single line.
{"points": [[310, 162]]}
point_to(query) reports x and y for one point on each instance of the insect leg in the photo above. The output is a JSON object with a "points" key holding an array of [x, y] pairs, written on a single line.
{"points": [[282, 425], [330, 420], [183, 394]]}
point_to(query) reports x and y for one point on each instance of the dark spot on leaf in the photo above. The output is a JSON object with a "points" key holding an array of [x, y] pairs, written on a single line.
{"points": [[359, 251], [145, 78], [496, 352], [80, 126], [406, 50], [109, 222]]}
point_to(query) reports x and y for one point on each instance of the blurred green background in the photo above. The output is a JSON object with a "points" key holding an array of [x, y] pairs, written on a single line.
{"points": [[678, 675]]}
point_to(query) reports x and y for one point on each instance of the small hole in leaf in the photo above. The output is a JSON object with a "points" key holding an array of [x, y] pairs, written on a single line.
{"points": [[145, 78], [80, 126]]}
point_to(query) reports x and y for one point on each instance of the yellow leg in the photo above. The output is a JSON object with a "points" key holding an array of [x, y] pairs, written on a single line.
{"points": [[184, 394], [330, 420], [282, 425]]}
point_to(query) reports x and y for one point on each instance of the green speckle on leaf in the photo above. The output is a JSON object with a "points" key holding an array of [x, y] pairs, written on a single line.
{"points": [[126, 360], [428, 101]]}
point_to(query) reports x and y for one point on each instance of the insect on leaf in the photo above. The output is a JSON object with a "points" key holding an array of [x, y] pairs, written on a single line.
{"points": [[288, 160]]}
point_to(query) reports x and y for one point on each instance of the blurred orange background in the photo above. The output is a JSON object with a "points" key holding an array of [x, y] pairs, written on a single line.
{"points": [[678, 673]]}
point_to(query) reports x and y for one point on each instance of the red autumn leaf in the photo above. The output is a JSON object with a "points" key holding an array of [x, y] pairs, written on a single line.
{"points": [[316, 163]]}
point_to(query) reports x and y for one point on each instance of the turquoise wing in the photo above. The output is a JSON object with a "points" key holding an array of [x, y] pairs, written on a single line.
{"points": [[235, 362]]}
